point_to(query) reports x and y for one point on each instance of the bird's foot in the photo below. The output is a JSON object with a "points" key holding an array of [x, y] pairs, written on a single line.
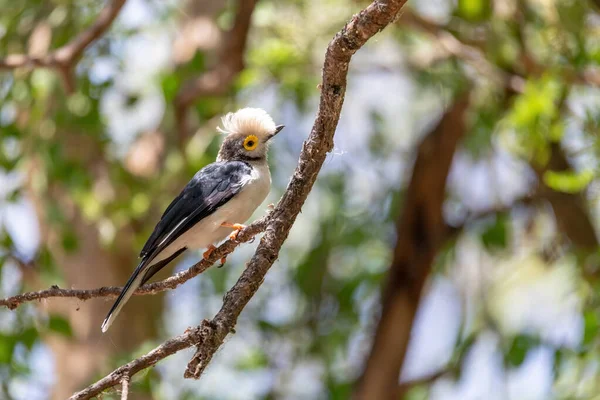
{"points": [[223, 261], [208, 251], [236, 229]]}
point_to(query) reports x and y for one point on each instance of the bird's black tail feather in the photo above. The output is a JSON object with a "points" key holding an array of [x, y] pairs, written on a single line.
{"points": [[135, 280], [142, 273]]}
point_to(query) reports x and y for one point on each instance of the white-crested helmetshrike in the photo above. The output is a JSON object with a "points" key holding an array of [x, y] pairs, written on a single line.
{"points": [[218, 199]]}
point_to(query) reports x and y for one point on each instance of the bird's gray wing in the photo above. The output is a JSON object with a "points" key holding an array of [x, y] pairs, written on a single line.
{"points": [[211, 187]]}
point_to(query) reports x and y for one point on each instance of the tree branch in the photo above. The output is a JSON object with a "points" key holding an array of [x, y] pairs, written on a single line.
{"points": [[172, 282], [421, 230], [125, 387], [527, 200], [210, 334], [473, 53], [171, 346], [570, 209], [217, 80], [64, 58], [404, 387]]}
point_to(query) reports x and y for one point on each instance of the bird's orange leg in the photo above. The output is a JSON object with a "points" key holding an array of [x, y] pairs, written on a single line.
{"points": [[208, 251], [236, 227]]}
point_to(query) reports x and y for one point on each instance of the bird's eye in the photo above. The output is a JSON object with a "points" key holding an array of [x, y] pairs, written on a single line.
{"points": [[250, 142]]}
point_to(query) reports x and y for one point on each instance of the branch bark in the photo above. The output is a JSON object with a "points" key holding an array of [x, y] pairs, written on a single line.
{"points": [[217, 80], [125, 387], [172, 282], [64, 58], [421, 230], [209, 336], [570, 209]]}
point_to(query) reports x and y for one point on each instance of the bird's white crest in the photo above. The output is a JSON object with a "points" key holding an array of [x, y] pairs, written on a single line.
{"points": [[249, 121]]}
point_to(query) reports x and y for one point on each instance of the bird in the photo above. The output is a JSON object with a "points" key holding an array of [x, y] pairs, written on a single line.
{"points": [[216, 202]]}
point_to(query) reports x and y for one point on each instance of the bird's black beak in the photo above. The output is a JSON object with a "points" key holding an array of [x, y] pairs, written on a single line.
{"points": [[278, 129]]}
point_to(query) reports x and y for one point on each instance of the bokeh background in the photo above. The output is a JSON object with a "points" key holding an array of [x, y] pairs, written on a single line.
{"points": [[511, 310]]}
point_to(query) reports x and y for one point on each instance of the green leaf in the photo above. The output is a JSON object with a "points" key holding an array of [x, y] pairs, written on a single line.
{"points": [[592, 324], [69, 241], [49, 272], [495, 236], [146, 381], [28, 337], [474, 10], [340, 390], [559, 357], [572, 15], [417, 392], [7, 345], [256, 359], [60, 325], [568, 181], [6, 241], [518, 350], [170, 85], [309, 273]]}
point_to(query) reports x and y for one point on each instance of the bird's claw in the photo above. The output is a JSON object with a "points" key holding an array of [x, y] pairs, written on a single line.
{"points": [[223, 261], [236, 230], [208, 251]]}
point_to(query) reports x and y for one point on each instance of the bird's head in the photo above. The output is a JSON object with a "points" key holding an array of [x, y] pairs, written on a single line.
{"points": [[248, 131]]}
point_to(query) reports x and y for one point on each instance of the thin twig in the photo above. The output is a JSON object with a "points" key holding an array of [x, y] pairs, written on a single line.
{"points": [[125, 387], [474, 54], [64, 58], [171, 346], [526, 200], [172, 282], [209, 336], [404, 387]]}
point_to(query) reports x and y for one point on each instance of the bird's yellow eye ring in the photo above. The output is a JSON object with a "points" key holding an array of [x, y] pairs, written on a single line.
{"points": [[250, 142]]}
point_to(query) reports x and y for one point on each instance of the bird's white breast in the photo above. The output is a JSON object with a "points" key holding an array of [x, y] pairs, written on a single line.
{"points": [[236, 211]]}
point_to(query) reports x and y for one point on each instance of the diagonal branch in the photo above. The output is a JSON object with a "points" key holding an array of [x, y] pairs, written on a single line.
{"points": [[172, 282], [209, 336], [171, 346], [64, 58], [217, 80], [421, 230], [320, 142]]}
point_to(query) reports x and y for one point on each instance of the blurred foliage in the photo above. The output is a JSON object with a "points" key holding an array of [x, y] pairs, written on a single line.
{"points": [[80, 147]]}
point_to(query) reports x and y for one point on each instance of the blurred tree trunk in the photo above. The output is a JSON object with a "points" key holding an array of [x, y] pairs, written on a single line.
{"points": [[79, 358], [421, 230]]}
